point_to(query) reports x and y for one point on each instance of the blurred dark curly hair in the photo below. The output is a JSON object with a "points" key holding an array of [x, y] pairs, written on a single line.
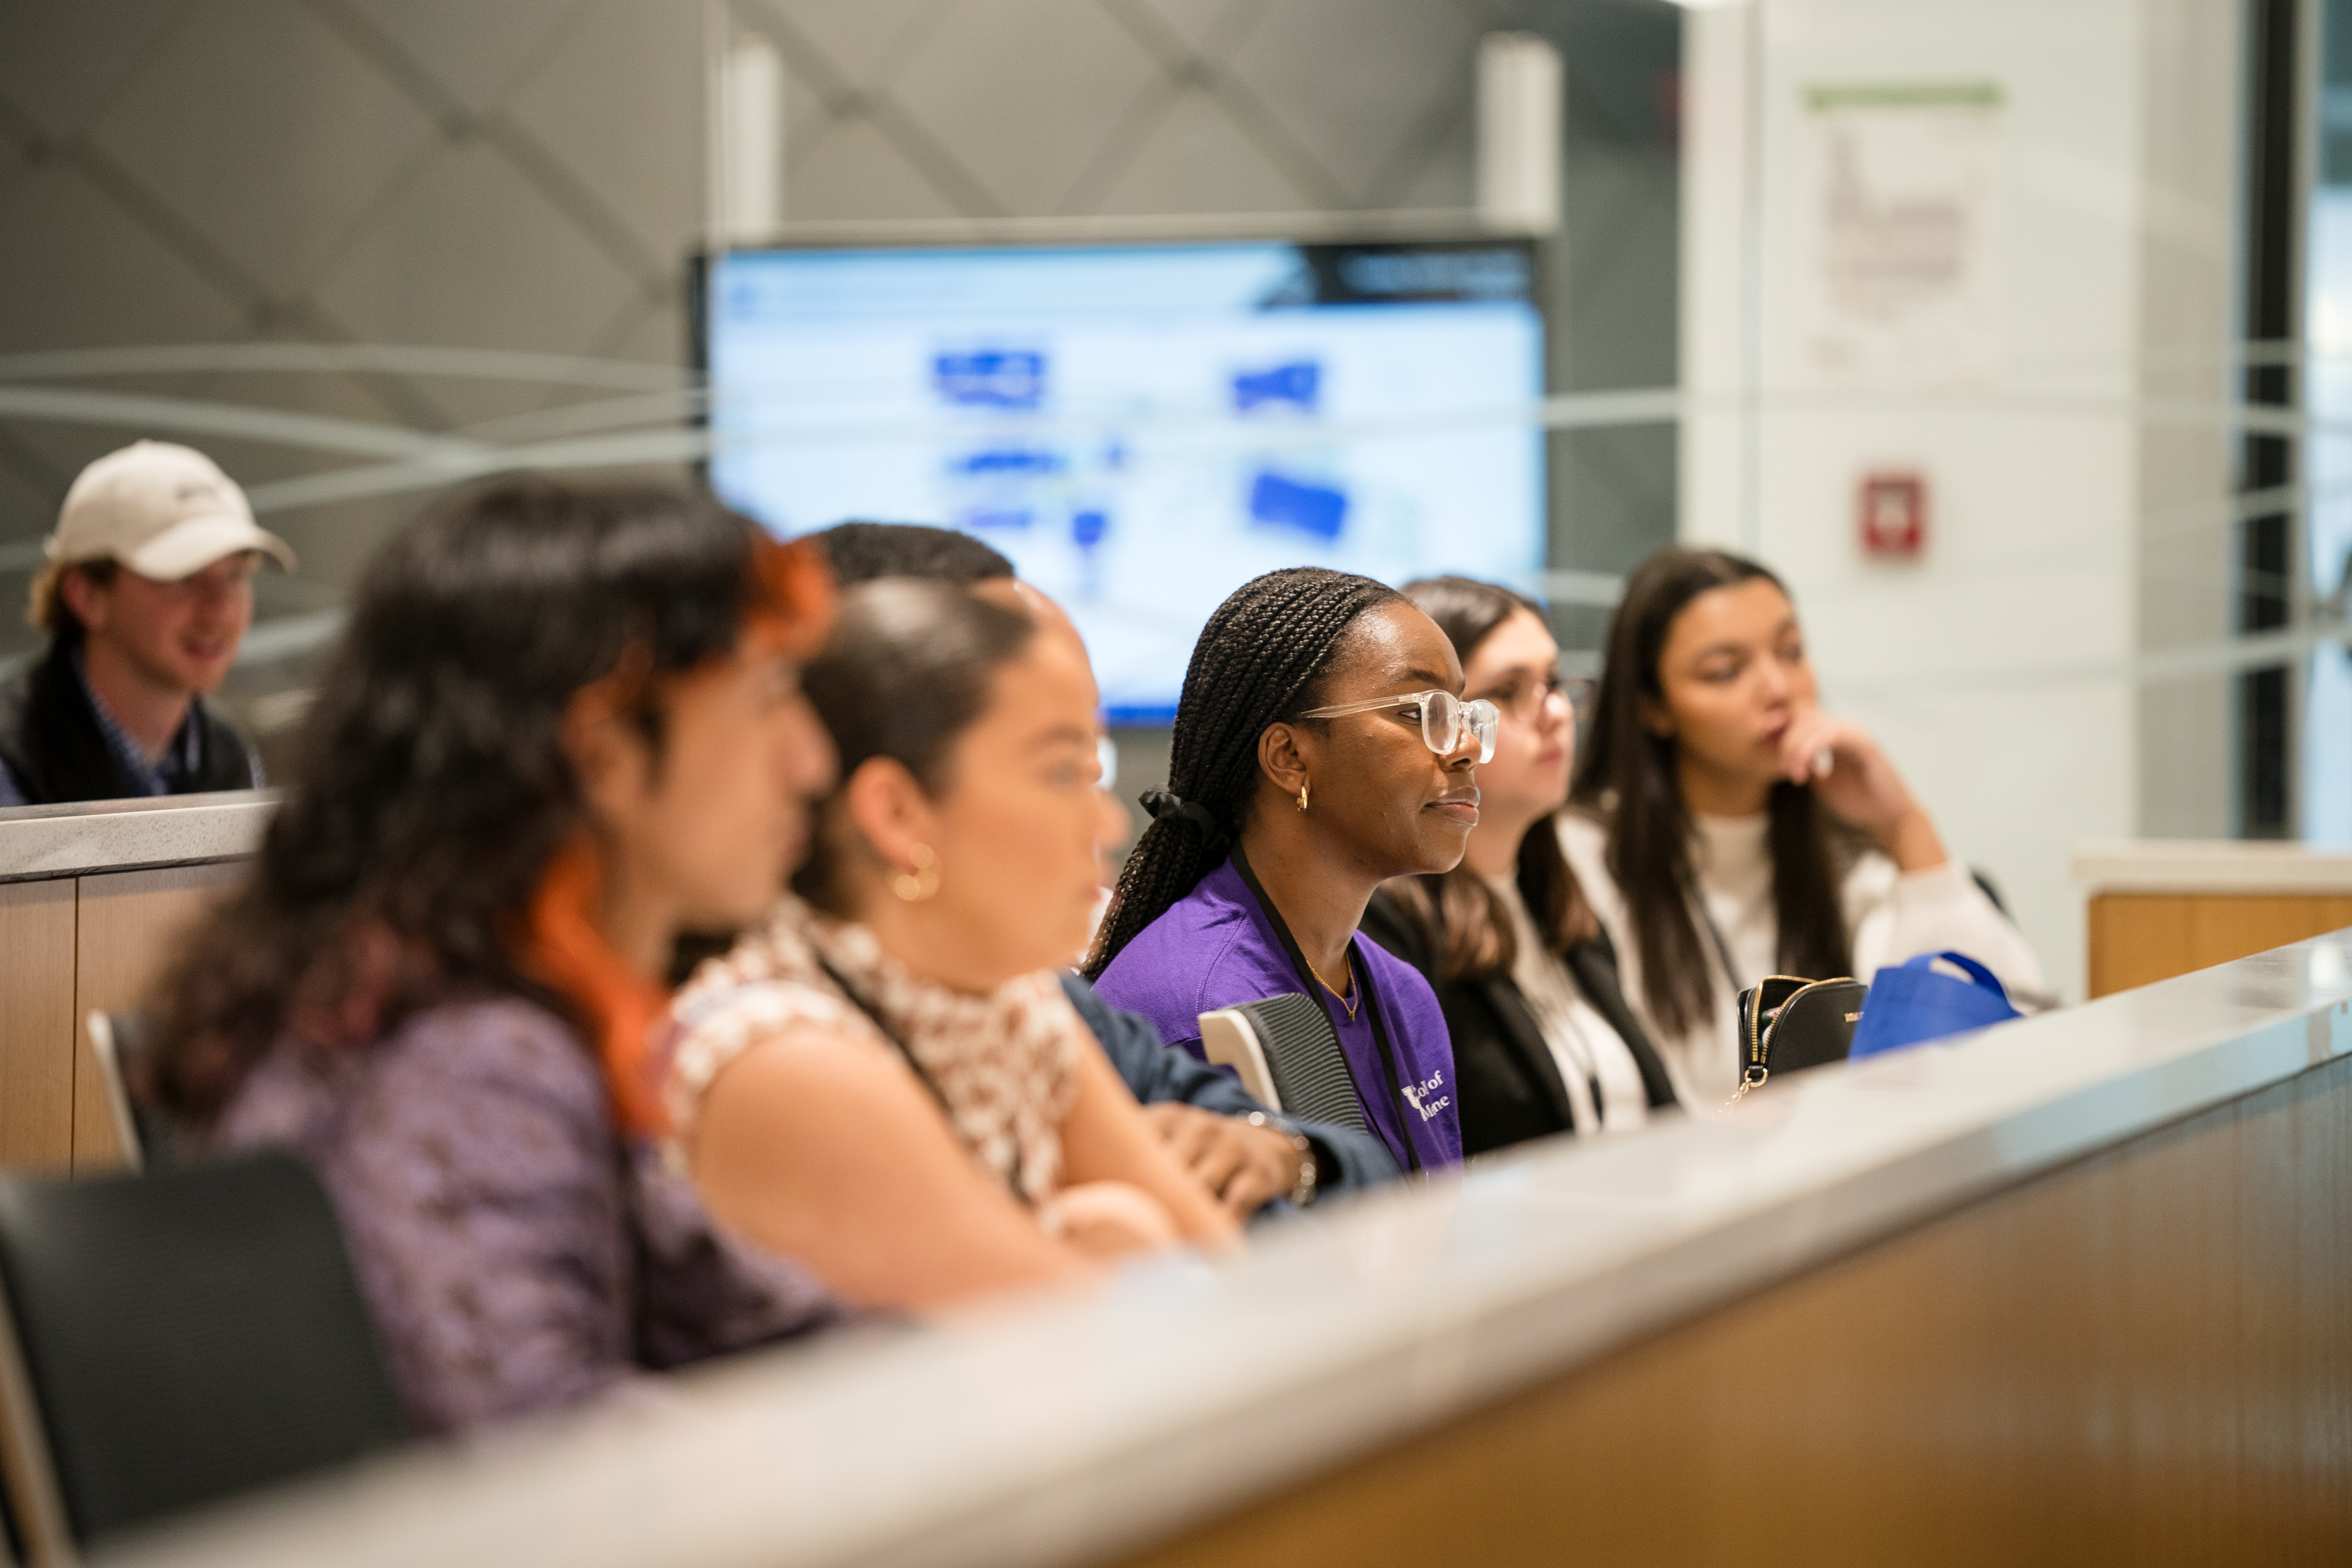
{"points": [[430, 789]]}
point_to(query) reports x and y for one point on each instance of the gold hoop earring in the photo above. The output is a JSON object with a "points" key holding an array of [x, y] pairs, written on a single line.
{"points": [[1302, 794], [923, 881]]}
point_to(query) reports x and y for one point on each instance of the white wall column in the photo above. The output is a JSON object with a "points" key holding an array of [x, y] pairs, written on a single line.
{"points": [[1921, 239]]}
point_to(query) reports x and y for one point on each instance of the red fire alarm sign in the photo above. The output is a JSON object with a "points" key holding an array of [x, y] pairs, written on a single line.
{"points": [[1892, 509]]}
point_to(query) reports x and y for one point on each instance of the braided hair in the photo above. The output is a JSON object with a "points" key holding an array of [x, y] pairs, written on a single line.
{"points": [[1258, 662]]}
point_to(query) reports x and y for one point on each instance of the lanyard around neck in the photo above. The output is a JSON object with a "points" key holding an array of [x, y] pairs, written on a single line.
{"points": [[1315, 988]]}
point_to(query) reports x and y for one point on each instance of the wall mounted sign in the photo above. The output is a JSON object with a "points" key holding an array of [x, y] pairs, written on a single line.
{"points": [[1902, 286]]}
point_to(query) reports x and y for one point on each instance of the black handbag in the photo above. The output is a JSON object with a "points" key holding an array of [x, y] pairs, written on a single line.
{"points": [[1786, 1025]]}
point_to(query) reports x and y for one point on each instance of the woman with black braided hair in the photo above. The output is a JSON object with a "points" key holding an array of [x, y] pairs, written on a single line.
{"points": [[1321, 747]]}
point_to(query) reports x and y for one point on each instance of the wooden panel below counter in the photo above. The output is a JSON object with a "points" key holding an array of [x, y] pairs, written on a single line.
{"points": [[36, 1024], [2137, 939], [2143, 1357], [129, 922], [69, 945]]}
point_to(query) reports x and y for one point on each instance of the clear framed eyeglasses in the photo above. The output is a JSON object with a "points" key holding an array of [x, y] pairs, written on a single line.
{"points": [[1443, 717]]}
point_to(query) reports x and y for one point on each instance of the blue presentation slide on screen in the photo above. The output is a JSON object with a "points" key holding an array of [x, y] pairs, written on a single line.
{"points": [[1142, 429]]}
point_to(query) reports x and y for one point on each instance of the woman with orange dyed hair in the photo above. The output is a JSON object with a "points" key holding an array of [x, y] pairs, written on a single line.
{"points": [[564, 728]]}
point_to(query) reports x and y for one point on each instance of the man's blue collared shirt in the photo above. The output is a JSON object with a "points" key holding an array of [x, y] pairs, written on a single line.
{"points": [[166, 774]]}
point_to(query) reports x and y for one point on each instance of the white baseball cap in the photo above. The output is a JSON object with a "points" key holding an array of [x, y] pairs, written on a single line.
{"points": [[166, 512]]}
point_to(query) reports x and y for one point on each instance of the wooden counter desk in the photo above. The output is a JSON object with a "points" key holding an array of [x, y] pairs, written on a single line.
{"points": [[2077, 1288], [90, 898], [2157, 907]]}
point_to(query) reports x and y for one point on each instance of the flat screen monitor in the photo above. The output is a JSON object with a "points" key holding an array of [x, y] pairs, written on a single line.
{"points": [[1142, 428]]}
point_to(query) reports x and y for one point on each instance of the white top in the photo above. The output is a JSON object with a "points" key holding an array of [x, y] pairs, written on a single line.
{"points": [[1591, 1058], [1079, 1427], [1889, 917]]}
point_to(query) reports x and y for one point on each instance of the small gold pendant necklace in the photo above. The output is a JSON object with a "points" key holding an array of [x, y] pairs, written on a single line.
{"points": [[1351, 998]]}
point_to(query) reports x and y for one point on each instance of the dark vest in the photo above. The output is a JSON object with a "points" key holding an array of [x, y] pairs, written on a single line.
{"points": [[50, 739]]}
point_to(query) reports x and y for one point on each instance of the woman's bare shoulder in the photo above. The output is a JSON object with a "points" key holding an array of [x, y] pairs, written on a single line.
{"points": [[718, 1025]]}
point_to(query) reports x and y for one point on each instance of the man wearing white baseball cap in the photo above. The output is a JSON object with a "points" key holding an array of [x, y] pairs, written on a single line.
{"points": [[146, 597]]}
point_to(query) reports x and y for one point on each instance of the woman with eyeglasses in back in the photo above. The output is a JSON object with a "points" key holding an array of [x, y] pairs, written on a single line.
{"points": [[1543, 1041], [1321, 747]]}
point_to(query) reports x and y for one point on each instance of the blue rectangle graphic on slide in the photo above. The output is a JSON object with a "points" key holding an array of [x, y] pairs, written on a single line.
{"points": [[1143, 428]]}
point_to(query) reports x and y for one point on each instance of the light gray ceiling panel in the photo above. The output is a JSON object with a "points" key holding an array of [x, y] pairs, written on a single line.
{"points": [[1057, 75], [64, 63], [1350, 80], [77, 271], [469, 254], [264, 131], [473, 51], [614, 102]]}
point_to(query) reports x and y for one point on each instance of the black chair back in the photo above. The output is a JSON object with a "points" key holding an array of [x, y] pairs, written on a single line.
{"points": [[178, 1338], [1304, 1058]]}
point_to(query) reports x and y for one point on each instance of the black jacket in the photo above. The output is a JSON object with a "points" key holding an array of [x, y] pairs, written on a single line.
{"points": [[1507, 1079], [1156, 1072], [50, 740]]}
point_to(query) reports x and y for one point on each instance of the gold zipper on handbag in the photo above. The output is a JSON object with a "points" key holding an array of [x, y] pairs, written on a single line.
{"points": [[1757, 1070]]}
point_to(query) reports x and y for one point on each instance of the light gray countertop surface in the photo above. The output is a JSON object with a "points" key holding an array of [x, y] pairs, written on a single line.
{"points": [[1066, 1429], [39, 843], [2210, 865]]}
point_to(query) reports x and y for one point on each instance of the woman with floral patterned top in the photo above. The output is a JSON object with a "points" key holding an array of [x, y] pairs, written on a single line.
{"points": [[886, 1081]]}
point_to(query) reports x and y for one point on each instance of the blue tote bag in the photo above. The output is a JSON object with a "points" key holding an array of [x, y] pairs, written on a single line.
{"points": [[1911, 1004]]}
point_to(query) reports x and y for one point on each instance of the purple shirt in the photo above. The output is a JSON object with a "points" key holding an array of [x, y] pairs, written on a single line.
{"points": [[515, 1255], [1215, 947]]}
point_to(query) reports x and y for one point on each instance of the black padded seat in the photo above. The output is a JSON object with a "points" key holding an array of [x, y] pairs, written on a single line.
{"points": [[174, 1339]]}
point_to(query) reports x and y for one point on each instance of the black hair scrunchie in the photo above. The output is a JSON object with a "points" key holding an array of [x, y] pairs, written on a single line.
{"points": [[1162, 805]]}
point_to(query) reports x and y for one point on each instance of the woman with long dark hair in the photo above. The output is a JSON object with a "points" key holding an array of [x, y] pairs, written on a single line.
{"points": [[563, 727], [1543, 1040], [886, 1081], [1321, 747], [1727, 829]]}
